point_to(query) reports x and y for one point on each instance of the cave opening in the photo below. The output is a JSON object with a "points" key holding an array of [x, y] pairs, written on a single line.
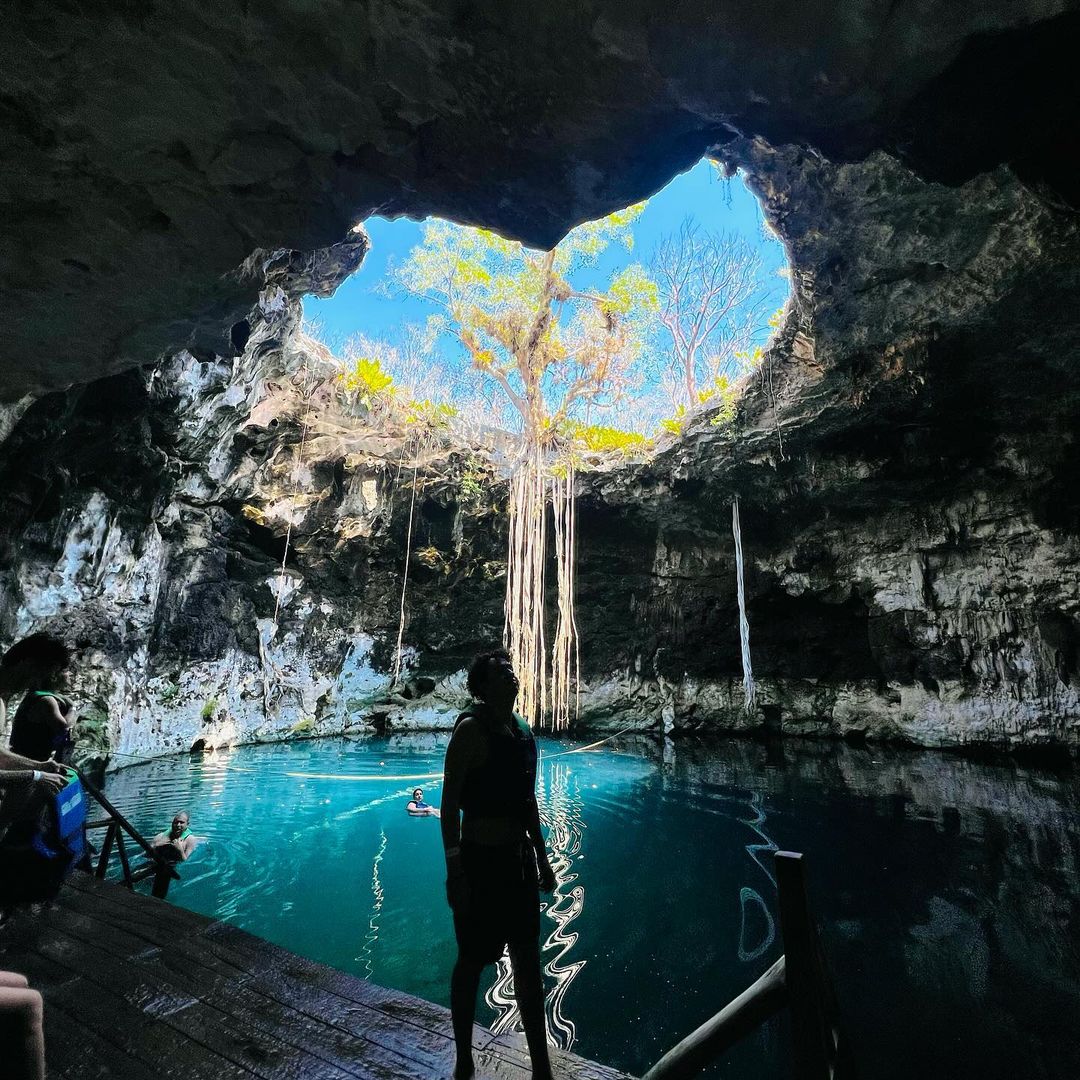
{"points": [[540, 367], [662, 313]]}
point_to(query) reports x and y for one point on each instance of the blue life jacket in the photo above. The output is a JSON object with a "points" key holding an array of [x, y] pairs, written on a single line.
{"points": [[63, 836], [38, 853]]}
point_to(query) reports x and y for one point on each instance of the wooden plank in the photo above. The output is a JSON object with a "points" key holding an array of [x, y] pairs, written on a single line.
{"points": [[354, 1016], [511, 1047], [147, 1040], [243, 1039], [168, 990], [148, 982], [74, 1052]]}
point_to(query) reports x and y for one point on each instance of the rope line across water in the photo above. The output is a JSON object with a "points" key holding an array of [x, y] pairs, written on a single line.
{"points": [[361, 777], [439, 776]]}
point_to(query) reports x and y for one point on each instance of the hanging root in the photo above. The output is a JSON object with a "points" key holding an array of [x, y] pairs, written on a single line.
{"points": [[531, 487], [749, 689], [565, 655], [523, 630], [408, 552]]}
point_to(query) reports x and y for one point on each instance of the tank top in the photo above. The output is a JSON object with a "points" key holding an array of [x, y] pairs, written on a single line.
{"points": [[503, 785], [34, 731]]}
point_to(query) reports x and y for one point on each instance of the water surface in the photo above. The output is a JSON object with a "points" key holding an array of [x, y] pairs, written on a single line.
{"points": [[948, 890]]}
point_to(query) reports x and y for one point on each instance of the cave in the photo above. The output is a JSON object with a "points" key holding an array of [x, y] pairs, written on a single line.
{"points": [[227, 569]]}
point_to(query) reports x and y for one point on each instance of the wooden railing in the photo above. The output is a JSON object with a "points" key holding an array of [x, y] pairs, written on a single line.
{"points": [[798, 981], [116, 826]]}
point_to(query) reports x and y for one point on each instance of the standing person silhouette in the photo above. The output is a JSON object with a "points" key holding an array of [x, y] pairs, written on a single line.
{"points": [[43, 723], [496, 863]]}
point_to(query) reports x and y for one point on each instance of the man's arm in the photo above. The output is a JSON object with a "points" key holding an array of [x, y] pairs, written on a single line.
{"points": [[466, 744], [536, 837], [460, 756], [10, 760], [51, 781]]}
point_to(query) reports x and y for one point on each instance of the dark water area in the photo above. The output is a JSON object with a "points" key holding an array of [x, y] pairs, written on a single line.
{"points": [[947, 889]]}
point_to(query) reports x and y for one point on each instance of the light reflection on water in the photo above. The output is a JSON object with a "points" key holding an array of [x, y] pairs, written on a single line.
{"points": [[561, 815], [947, 889]]}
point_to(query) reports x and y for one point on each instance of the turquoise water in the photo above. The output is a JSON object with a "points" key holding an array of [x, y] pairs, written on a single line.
{"points": [[948, 890]]}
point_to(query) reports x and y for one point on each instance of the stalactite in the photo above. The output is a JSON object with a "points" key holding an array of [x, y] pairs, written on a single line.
{"points": [[749, 689]]}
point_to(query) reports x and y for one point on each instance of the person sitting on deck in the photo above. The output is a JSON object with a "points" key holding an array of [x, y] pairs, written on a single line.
{"points": [[418, 808], [496, 862], [22, 1042], [178, 843], [45, 717]]}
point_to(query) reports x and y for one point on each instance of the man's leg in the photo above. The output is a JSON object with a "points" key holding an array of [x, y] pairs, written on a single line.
{"points": [[529, 990], [464, 986], [21, 1018]]}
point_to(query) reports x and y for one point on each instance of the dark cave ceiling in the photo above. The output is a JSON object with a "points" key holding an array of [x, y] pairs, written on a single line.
{"points": [[151, 148]]}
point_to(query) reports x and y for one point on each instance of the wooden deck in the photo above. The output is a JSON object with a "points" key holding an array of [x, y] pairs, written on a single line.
{"points": [[139, 989]]}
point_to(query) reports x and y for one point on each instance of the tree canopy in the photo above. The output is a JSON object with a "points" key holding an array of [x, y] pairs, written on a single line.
{"points": [[552, 346]]}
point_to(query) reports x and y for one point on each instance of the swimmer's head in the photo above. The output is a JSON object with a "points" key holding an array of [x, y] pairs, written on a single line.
{"points": [[418, 794], [179, 823], [492, 678]]}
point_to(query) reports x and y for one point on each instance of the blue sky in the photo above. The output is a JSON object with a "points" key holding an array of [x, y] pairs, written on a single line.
{"points": [[358, 306]]}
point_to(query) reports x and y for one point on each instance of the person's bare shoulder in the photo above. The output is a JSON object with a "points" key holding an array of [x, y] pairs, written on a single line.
{"points": [[467, 742]]}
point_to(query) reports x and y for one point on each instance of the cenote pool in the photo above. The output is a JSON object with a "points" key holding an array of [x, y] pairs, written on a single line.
{"points": [[947, 889]]}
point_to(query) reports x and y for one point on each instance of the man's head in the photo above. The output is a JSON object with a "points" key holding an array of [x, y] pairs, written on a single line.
{"points": [[418, 794], [179, 823], [492, 678]]}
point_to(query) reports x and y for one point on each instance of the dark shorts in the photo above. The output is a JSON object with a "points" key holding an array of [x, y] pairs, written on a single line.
{"points": [[504, 901]]}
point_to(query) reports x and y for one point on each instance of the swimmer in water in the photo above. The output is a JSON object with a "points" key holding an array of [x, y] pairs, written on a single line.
{"points": [[178, 843], [418, 808]]}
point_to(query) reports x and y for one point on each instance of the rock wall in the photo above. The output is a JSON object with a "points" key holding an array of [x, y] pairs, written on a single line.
{"points": [[150, 148], [909, 508]]}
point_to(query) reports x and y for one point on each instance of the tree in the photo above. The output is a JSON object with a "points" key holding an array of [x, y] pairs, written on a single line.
{"points": [[550, 347], [555, 348], [712, 304]]}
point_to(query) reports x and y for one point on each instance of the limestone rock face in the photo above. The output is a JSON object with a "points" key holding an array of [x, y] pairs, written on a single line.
{"points": [[228, 556], [228, 562], [150, 149]]}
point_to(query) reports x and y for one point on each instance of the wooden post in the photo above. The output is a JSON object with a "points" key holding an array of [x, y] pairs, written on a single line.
{"points": [[106, 849], [125, 866], [799, 979], [819, 1051], [163, 876]]}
